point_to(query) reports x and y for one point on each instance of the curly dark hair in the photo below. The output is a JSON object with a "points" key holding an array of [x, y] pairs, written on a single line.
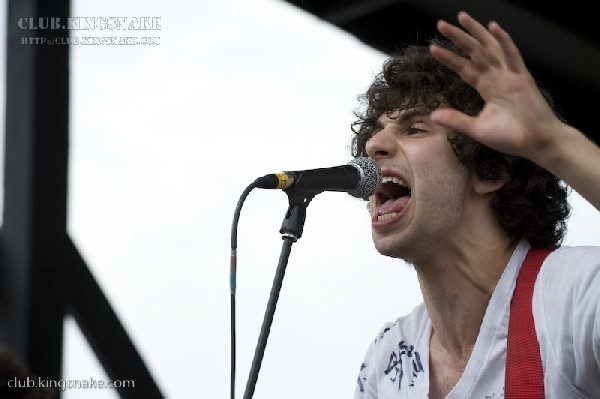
{"points": [[533, 202]]}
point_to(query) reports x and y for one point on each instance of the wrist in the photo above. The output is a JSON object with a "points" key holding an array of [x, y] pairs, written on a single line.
{"points": [[559, 146]]}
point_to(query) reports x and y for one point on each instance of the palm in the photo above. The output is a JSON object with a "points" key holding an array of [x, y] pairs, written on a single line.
{"points": [[516, 118]]}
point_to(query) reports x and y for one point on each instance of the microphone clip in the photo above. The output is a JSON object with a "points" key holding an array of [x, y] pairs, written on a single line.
{"points": [[293, 222]]}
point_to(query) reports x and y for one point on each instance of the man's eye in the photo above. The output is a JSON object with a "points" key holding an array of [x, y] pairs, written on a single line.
{"points": [[413, 130]]}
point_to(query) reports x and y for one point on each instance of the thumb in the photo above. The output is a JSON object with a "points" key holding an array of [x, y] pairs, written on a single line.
{"points": [[454, 120]]}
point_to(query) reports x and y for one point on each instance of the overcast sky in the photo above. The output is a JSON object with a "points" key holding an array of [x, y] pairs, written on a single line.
{"points": [[165, 138]]}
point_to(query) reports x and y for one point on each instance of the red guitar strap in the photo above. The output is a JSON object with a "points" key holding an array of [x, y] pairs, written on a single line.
{"points": [[524, 375]]}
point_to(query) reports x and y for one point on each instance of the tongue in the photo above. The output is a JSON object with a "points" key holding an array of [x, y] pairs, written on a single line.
{"points": [[393, 205]]}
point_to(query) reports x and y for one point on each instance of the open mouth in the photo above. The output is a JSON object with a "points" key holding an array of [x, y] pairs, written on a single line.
{"points": [[391, 198]]}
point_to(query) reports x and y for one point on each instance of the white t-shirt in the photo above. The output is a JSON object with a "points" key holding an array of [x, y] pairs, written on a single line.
{"points": [[566, 311]]}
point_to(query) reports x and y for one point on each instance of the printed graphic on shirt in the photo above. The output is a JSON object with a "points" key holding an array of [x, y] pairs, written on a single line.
{"points": [[495, 395], [394, 369], [360, 378], [385, 330]]}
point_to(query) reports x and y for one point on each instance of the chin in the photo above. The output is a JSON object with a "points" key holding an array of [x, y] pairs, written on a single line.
{"points": [[393, 250], [405, 249]]}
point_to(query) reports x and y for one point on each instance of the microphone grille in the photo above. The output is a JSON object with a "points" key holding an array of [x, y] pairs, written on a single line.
{"points": [[370, 177]]}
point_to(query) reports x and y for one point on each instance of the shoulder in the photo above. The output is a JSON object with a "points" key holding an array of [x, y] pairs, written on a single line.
{"points": [[566, 309], [571, 267], [396, 357], [569, 279], [584, 253], [409, 330]]}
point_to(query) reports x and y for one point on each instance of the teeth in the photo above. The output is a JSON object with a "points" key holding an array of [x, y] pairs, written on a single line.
{"points": [[387, 216], [394, 179]]}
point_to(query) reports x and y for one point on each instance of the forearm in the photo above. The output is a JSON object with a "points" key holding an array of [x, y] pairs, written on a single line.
{"points": [[576, 160]]}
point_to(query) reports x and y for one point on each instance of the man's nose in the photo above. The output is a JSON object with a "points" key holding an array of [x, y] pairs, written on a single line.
{"points": [[382, 145]]}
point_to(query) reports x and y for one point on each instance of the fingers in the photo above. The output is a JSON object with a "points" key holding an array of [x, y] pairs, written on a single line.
{"points": [[481, 46], [463, 39], [454, 120], [514, 60], [492, 46], [478, 32], [462, 66]]}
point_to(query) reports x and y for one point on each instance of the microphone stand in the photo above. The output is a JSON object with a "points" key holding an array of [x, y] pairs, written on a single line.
{"points": [[291, 231]]}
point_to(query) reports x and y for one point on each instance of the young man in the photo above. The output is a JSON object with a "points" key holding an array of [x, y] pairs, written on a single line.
{"points": [[474, 159]]}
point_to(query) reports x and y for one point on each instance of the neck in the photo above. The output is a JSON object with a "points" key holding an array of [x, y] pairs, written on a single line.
{"points": [[457, 284]]}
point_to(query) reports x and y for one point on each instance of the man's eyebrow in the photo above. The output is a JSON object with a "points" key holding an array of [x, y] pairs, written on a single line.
{"points": [[405, 115], [411, 113]]}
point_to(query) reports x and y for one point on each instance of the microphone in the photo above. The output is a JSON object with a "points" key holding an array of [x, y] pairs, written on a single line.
{"points": [[360, 177]]}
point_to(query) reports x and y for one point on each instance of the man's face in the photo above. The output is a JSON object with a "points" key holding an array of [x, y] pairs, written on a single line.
{"points": [[425, 196]]}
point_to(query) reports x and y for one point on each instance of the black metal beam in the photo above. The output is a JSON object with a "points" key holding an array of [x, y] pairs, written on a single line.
{"points": [[350, 11], [103, 330], [42, 276], [35, 188], [539, 39]]}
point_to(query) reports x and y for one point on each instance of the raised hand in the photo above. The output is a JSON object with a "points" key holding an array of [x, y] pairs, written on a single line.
{"points": [[516, 118]]}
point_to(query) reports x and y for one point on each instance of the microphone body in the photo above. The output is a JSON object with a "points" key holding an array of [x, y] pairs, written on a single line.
{"points": [[360, 178]]}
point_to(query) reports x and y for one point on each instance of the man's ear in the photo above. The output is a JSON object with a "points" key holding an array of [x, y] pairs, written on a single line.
{"points": [[483, 187]]}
